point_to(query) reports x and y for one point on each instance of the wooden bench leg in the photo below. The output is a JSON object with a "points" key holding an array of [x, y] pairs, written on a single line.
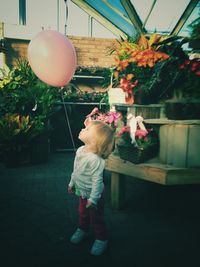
{"points": [[118, 182]]}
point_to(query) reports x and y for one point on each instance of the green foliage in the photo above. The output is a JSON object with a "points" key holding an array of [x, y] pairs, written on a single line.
{"points": [[72, 93], [22, 92], [26, 103], [195, 29]]}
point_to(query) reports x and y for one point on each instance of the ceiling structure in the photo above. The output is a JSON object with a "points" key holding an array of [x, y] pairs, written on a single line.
{"points": [[130, 17]]}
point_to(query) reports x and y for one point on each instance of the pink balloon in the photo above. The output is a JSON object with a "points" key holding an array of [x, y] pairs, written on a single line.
{"points": [[52, 58]]}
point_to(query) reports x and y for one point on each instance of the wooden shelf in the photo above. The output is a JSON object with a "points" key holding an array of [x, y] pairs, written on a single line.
{"points": [[87, 77], [152, 171], [166, 121]]}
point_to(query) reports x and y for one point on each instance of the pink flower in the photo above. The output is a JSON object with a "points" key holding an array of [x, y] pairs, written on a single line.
{"points": [[141, 133], [110, 117], [125, 129], [113, 117]]}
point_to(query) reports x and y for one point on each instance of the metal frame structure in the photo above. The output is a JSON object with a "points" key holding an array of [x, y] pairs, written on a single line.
{"points": [[133, 17], [184, 17]]}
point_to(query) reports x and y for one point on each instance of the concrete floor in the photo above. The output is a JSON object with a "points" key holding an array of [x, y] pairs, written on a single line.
{"points": [[158, 227]]}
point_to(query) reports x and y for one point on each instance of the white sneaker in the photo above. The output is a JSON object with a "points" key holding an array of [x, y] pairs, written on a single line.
{"points": [[98, 247], [78, 236]]}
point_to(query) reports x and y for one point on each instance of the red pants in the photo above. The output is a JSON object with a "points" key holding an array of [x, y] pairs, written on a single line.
{"points": [[93, 216]]}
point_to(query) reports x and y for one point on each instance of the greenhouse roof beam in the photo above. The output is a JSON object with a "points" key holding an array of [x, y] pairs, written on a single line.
{"points": [[113, 16], [100, 18], [129, 18], [184, 17], [135, 19]]}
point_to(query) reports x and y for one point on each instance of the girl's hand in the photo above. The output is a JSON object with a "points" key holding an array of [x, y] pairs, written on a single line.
{"points": [[71, 190], [90, 205]]}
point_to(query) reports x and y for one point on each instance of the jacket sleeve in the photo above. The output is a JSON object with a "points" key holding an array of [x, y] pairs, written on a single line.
{"points": [[97, 167], [72, 180]]}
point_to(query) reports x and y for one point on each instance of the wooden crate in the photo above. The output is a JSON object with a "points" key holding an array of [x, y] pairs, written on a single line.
{"points": [[152, 111]]}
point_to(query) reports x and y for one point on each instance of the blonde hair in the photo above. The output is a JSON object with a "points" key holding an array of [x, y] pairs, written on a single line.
{"points": [[103, 139]]}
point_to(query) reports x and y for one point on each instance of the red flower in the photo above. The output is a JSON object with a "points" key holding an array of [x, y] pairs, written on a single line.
{"points": [[197, 72]]}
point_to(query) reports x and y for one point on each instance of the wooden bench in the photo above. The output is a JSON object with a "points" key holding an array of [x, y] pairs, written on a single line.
{"points": [[150, 171]]}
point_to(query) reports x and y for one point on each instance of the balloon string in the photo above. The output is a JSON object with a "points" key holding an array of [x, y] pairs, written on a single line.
{"points": [[66, 16], [67, 119]]}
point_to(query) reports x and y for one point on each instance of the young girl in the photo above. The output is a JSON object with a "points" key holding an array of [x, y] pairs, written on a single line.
{"points": [[87, 182]]}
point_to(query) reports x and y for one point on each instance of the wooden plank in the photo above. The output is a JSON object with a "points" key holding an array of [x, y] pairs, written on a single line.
{"points": [[154, 171], [183, 176], [143, 171], [163, 133], [180, 139], [166, 121], [193, 156], [151, 171]]}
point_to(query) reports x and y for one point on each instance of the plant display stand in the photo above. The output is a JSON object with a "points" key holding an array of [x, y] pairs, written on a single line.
{"points": [[179, 142], [178, 162], [153, 111], [152, 171]]}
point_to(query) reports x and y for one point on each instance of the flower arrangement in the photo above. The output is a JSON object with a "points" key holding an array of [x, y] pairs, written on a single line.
{"points": [[153, 69], [189, 78], [135, 143], [135, 133], [143, 138], [185, 100], [134, 63]]}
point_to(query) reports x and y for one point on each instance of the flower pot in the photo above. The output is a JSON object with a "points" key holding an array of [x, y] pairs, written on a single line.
{"points": [[137, 154]]}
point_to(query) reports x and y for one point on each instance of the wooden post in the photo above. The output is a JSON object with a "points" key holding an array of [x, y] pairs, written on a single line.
{"points": [[118, 182]]}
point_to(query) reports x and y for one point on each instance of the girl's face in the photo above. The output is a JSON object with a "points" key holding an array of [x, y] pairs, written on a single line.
{"points": [[87, 135]]}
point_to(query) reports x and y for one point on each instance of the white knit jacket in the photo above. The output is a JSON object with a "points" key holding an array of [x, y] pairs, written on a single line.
{"points": [[87, 175]]}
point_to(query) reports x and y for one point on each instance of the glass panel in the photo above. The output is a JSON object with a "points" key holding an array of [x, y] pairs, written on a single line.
{"points": [[38, 9], [10, 7], [100, 31], [115, 13], [164, 15], [186, 31]]}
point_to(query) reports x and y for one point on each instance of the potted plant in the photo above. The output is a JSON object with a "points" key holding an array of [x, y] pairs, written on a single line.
{"points": [[135, 143], [136, 62], [185, 103], [15, 134], [21, 92]]}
